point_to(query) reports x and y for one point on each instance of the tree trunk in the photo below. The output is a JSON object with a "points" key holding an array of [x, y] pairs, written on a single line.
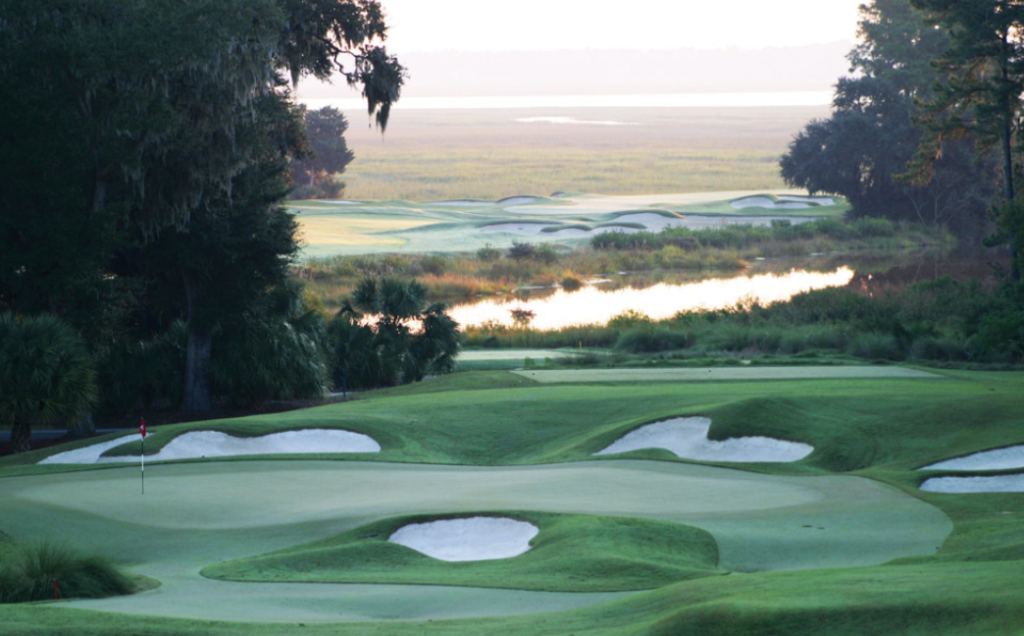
{"points": [[196, 398], [21, 436], [196, 393]]}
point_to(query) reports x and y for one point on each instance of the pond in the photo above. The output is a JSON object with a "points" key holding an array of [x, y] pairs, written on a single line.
{"points": [[660, 295]]}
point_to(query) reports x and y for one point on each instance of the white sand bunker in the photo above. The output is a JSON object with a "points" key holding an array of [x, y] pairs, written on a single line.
{"points": [[770, 204], [998, 459], [687, 437], [468, 539], [960, 485], [199, 444]]}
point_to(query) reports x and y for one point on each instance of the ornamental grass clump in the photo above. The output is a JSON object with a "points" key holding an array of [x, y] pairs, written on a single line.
{"points": [[30, 571]]}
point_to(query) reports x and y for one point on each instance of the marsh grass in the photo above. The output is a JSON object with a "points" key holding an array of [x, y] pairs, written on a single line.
{"points": [[459, 277], [487, 154], [28, 572]]}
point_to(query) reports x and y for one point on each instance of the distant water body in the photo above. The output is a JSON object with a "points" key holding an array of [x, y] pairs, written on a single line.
{"points": [[673, 100]]}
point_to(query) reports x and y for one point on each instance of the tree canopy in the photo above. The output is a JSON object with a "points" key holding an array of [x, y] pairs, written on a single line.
{"points": [[863, 149], [145, 148]]}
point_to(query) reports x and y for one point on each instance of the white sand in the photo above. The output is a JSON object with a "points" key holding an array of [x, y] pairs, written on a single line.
{"points": [[998, 459], [687, 437], [812, 200], [769, 204], [523, 228], [520, 200], [959, 485], [470, 539], [216, 444]]}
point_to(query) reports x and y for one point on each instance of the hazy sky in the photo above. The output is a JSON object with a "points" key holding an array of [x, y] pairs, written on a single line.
{"points": [[524, 25]]}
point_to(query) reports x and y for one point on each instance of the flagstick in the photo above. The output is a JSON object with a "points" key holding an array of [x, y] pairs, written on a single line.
{"points": [[142, 456]]}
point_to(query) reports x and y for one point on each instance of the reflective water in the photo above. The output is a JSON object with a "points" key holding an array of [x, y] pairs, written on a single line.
{"points": [[594, 305], [662, 295]]}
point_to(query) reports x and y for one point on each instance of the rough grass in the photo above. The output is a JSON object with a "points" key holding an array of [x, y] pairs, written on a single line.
{"points": [[571, 553], [880, 429], [29, 572]]}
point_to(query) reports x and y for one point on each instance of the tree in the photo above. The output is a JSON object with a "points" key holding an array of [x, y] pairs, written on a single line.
{"points": [[389, 351], [980, 97], [328, 154], [159, 113], [46, 374], [862, 150]]}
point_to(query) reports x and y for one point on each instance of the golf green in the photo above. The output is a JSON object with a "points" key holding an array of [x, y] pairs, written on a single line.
{"points": [[201, 513]]}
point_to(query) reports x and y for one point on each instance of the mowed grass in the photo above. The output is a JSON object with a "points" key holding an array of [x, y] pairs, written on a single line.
{"points": [[880, 429], [571, 553], [488, 154]]}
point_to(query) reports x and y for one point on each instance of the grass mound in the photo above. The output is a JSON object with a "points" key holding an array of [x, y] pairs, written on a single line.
{"points": [[572, 553], [29, 571]]}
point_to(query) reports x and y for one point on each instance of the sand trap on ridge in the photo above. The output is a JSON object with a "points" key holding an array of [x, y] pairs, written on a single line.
{"points": [[997, 459], [468, 539], [216, 444], [961, 485], [687, 437]]}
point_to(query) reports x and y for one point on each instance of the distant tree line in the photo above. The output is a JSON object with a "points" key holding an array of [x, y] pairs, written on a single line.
{"points": [[146, 149], [926, 128]]}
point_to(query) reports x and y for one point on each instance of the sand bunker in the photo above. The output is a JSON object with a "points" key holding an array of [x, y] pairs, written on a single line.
{"points": [[960, 485], [470, 539], [522, 228], [216, 444], [520, 200], [770, 204], [687, 437], [998, 459], [811, 200]]}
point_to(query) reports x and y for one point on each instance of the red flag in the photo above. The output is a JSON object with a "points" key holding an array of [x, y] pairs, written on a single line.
{"points": [[142, 427]]}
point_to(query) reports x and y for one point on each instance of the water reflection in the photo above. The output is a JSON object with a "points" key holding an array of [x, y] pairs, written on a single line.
{"points": [[592, 305]]}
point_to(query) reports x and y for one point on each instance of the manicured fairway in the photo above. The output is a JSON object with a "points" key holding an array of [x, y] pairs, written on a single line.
{"points": [[842, 541], [719, 374], [215, 511]]}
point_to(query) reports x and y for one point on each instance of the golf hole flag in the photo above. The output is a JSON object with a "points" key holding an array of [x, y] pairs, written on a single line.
{"points": [[142, 428]]}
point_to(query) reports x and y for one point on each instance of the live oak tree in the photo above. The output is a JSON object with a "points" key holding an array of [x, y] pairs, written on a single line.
{"points": [[863, 149], [981, 95], [326, 154], [131, 118]]}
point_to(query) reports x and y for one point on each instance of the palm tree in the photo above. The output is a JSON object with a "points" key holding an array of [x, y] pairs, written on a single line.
{"points": [[390, 352], [46, 374]]}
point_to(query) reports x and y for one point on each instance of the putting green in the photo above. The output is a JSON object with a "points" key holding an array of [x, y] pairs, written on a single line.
{"points": [[201, 513], [723, 373]]}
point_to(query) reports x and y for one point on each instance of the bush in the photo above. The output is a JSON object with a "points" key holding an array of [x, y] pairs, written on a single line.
{"points": [[875, 346], [571, 284], [651, 339], [488, 253], [28, 572], [522, 251]]}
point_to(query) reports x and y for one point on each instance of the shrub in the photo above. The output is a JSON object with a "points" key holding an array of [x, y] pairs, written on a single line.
{"points": [[488, 253], [522, 251], [28, 572], [651, 339], [875, 346], [571, 284]]}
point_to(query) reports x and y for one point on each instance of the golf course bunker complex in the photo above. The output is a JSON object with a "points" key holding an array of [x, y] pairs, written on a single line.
{"points": [[996, 459], [687, 437], [200, 444], [782, 202], [966, 485], [468, 539]]}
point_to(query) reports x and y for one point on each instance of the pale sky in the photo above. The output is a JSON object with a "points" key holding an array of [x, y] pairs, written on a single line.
{"points": [[528, 25]]}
